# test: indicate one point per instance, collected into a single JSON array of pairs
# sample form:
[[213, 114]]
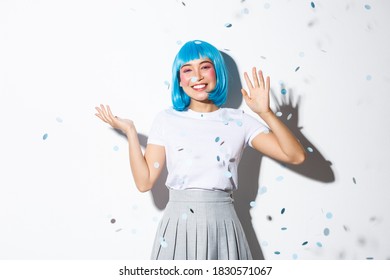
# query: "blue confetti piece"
[[310, 149], [295, 256], [305, 243], [312, 5], [326, 231], [194, 79], [45, 136], [239, 123], [179, 42], [116, 148], [264, 243], [228, 174], [329, 215], [218, 158], [184, 216], [368, 7], [319, 244], [283, 228], [283, 91], [279, 178], [245, 11], [263, 190], [277, 253], [282, 211], [217, 139], [163, 243], [58, 119], [252, 204], [368, 77], [279, 114], [301, 54], [228, 25]]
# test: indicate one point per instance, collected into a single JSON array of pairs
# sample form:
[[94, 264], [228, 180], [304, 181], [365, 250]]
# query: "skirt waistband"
[[200, 196]]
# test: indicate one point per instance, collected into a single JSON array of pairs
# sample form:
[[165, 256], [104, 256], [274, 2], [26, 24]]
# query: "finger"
[[245, 94], [100, 117], [103, 113], [268, 85], [110, 113], [255, 78], [248, 81], [261, 79]]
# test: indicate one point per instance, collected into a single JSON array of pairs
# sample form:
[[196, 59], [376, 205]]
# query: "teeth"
[[199, 86]]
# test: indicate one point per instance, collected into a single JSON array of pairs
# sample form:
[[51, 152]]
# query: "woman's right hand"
[[105, 114]]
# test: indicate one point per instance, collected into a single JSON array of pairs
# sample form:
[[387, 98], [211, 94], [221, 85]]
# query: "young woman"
[[202, 144]]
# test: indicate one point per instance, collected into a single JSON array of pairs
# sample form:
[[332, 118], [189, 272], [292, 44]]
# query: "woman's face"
[[197, 78]]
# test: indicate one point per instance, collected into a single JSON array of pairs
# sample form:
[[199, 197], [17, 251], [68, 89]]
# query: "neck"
[[202, 107]]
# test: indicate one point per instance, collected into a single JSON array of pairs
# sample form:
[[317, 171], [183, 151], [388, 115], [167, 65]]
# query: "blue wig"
[[195, 50]]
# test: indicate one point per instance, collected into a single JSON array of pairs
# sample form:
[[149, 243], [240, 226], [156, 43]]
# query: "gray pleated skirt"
[[200, 225]]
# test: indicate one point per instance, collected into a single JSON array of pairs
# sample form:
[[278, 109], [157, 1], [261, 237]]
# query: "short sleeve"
[[156, 133], [253, 127]]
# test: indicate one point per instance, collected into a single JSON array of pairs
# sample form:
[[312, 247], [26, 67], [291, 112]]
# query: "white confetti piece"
[[156, 165]]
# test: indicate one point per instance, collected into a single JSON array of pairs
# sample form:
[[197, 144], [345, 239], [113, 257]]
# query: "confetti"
[[179, 42], [345, 228], [222, 143], [184, 216], [217, 139], [232, 160], [198, 42], [269, 218], [279, 114], [184, 4], [296, 69], [113, 221], [181, 149], [369, 258], [310, 149], [319, 244], [167, 84], [192, 211], [289, 116], [326, 231], [295, 256], [163, 243], [45, 136], [283, 91], [279, 178], [245, 11], [58, 119], [263, 190], [282, 211], [305, 243], [239, 123], [264, 243], [218, 158], [228, 174], [283, 228], [228, 25], [354, 180], [277, 253], [115, 148], [329, 215], [312, 5], [156, 165], [194, 79], [368, 7], [118, 230], [301, 54], [368, 77], [252, 204]]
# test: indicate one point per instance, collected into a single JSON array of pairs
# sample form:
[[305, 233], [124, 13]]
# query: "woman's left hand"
[[258, 98]]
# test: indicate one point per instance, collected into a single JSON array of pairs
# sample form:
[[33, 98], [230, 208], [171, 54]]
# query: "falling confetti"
[[295, 256], [184, 4], [163, 243], [301, 54], [354, 180], [198, 42], [228, 174], [179, 42], [282, 211], [192, 211], [156, 165], [252, 204], [218, 158], [264, 243], [222, 143], [217, 139], [277, 253], [279, 178], [283, 228], [368, 7], [283, 91], [116, 148], [118, 230], [345, 228], [289, 116], [167, 84], [279, 114], [184, 216], [296, 69], [368, 77], [319, 244], [113, 221], [239, 123], [305, 243], [45, 136], [228, 25], [329, 215], [312, 5], [269, 218], [369, 258], [326, 231], [263, 190], [194, 79], [58, 119], [310, 149], [245, 11]]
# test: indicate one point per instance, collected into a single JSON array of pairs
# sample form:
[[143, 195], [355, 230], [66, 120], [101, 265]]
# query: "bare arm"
[[280, 143], [145, 167]]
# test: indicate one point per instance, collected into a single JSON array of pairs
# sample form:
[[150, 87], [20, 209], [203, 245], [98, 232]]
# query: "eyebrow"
[[188, 64]]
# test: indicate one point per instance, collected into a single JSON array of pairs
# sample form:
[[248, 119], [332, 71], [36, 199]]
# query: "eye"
[[186, 70]]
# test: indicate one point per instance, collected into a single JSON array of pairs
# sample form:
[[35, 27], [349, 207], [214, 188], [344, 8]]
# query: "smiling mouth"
[[199, 87]]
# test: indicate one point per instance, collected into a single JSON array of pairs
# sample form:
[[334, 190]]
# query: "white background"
[[71, 195]]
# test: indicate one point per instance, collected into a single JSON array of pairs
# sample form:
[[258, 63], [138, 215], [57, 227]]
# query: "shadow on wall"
[[315, 167]]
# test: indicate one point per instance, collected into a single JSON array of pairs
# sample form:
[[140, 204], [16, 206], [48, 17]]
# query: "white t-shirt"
[[203, 149]]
